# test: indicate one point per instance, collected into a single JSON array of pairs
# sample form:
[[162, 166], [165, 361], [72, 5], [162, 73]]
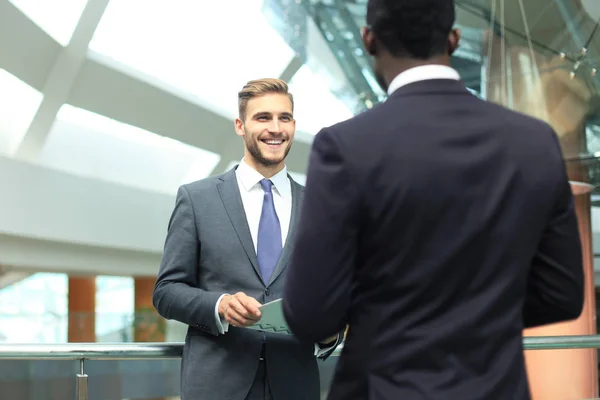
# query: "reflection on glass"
[[95, 146], [58, 18], [19, 102]]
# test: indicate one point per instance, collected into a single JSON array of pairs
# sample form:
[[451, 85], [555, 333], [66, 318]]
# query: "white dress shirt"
[[422, 73], [252, 193]]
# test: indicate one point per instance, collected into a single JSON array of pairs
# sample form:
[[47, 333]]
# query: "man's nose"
[[275, 126]]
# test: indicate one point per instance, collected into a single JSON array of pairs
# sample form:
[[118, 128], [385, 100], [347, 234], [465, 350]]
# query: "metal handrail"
[[139, 351], [561, 342], [91, 351], [146, 351]]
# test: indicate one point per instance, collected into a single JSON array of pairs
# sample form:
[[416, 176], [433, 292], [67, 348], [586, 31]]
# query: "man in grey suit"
[[226, 252]]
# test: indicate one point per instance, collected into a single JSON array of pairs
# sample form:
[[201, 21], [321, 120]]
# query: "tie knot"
[[266, 185]]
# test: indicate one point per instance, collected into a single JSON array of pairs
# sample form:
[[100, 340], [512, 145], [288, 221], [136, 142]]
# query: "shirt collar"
[[421, 73], [249, 177]]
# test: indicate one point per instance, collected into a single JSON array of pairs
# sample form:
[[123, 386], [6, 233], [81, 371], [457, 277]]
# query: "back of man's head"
[[416, 29]]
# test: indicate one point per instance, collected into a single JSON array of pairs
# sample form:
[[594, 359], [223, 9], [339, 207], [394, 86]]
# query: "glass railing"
[[142, 370]]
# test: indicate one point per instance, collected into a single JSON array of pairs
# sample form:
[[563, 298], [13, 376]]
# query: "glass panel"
[[19, 102], [32, 310], [207, 48], [58, 18], [92, 145], [108, 380], [114, 307]]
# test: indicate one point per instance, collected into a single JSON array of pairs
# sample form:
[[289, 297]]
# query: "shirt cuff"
[[222, 324], [321, 350]]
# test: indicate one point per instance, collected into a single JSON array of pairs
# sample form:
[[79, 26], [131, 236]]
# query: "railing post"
[[82, 383]]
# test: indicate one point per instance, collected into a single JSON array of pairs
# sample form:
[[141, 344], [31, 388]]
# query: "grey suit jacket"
[[209, 252]]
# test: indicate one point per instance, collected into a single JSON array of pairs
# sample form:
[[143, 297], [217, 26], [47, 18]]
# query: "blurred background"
[[108, 106]]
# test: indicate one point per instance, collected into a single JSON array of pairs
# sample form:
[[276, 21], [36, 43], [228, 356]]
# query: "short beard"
[[255, 152]]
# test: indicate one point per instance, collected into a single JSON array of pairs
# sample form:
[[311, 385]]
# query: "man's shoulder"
[[522, 128], [361, 120], [206, 184], [365, 120], [518, 117]]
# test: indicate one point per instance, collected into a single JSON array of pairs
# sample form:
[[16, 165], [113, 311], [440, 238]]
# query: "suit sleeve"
[[555, 290], [176, 295], [317, 293]]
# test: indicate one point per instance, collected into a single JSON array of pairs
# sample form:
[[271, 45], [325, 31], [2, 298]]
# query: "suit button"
[[267, 291]]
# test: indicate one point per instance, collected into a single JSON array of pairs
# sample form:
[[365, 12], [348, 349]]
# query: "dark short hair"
[[412, 28]]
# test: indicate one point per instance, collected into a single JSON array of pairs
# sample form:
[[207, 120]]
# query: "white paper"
[[272, 319]]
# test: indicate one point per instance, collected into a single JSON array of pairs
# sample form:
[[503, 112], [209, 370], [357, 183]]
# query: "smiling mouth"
[[273, 142]]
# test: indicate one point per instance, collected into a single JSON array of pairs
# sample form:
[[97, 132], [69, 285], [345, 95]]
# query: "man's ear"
[[239, 127], [369, 41], [453, 41]]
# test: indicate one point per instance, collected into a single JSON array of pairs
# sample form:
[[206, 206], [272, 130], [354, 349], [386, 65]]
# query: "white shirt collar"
[[424, 72], [249, 177]]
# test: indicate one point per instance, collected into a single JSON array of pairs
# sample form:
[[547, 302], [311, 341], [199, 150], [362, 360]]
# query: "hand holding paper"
[[272, 319], [239, 309]]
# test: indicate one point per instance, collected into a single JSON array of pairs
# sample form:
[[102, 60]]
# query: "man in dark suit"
[[436, 225], [226, 252]]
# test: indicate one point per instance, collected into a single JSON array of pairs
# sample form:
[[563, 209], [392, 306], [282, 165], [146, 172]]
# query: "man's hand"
[[240, 309], [329, 341]]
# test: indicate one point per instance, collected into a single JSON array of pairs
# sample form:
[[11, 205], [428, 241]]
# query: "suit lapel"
[[230, 195], [286, 252]]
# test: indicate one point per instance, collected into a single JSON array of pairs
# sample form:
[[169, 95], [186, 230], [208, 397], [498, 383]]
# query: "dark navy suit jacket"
[[437, 226]]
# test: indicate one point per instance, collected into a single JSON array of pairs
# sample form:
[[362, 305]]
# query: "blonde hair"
[[260, 87]]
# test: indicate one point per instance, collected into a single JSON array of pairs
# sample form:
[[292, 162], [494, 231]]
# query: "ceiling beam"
[[60, 81], [119, 92], [294, 66], [27, 51]]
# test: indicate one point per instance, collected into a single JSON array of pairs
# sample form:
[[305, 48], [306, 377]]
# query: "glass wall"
[[34, 310]]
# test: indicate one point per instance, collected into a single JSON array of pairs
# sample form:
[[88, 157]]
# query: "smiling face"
[[268, 129]]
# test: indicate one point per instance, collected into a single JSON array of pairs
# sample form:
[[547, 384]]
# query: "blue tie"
[[268, 247]]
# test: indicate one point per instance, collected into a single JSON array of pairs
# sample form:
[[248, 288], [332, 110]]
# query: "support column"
[[82, 309], [148, 326], [543, 88], [569, 374]]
